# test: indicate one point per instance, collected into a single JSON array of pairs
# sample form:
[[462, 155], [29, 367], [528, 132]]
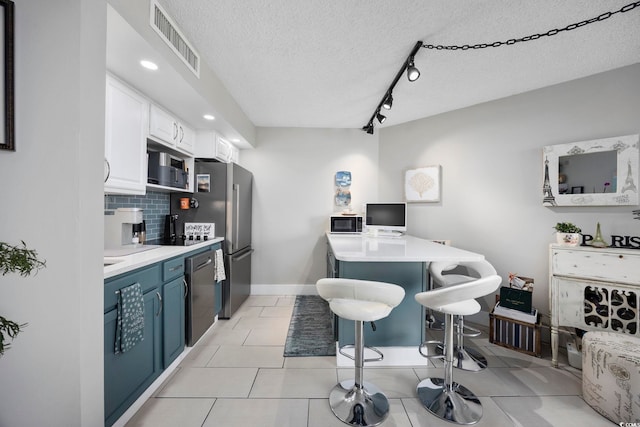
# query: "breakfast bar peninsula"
[[400, 260]]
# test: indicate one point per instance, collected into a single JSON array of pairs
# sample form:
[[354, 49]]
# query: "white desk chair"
[[355, 402]]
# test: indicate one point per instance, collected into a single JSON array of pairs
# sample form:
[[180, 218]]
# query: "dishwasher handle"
[[204, 264]]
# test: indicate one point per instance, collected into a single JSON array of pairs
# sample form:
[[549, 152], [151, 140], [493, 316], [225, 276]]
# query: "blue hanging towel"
[[130, 320]]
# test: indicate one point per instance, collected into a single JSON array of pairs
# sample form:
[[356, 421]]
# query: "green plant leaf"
[[8, 329], [24, 261], [567, 227], [21, 260]]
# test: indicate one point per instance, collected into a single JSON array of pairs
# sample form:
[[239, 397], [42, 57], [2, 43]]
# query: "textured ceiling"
[[327, 63]]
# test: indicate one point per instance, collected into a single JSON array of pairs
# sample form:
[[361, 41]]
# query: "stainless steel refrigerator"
[[223, 195]]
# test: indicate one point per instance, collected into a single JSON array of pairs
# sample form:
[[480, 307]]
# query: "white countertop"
[[124, 264], [365, 248]]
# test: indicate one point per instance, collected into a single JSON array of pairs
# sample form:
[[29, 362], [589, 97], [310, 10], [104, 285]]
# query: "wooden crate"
[[514, 334]]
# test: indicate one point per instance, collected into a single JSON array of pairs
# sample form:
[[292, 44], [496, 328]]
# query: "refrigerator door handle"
[[236, 225], [244, 255]]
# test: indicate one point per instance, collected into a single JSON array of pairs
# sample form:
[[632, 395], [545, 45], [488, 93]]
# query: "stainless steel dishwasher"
[[201, 297]]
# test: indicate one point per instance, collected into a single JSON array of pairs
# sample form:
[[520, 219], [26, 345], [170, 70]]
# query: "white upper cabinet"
[[235, 154], [125, 139], [162, 125], [169, 131], [224, 150], [210, 145], [186, 138]]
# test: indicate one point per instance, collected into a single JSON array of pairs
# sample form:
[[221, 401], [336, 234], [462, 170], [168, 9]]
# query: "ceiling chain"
[[531, 37]]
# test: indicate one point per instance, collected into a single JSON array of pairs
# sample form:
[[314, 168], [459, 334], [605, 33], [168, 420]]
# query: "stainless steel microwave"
[[346, 223]]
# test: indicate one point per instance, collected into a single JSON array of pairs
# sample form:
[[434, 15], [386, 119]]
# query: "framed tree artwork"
[[423, 184], [7, 135]]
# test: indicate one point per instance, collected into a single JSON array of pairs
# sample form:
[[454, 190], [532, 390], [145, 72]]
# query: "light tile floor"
[[236, 376]]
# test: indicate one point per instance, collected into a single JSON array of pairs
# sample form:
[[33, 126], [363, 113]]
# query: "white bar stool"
[[443, 397], [464, 358], [356, 402], [431, 321]]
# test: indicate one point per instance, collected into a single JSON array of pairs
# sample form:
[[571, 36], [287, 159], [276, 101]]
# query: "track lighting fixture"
[[413, 73], [387, 99]]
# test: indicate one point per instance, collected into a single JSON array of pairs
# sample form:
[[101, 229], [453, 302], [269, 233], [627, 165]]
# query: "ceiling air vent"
[[172, 36]]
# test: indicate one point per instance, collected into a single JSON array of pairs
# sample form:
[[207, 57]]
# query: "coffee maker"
[[119, 226]]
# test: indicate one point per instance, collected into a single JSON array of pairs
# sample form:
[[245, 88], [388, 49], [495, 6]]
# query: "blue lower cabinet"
[[404, 325], [127, 375], [173, 319]]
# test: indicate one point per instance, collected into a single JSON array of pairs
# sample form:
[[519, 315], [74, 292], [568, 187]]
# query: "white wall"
[[294, 172], [51, 195], [491, 157]]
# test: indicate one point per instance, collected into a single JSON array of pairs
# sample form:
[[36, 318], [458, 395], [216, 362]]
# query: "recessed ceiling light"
[[149, 65], [209, 117], [235, 140]]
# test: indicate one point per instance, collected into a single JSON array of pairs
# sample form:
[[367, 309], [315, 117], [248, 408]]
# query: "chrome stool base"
[[458, 404], [468, 359], [365, 406]]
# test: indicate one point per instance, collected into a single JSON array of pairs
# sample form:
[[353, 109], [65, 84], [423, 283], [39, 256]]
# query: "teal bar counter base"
[[399, 260]]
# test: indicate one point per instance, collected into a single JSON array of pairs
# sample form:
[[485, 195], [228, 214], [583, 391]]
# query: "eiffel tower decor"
[[629, 185], [548, 200]]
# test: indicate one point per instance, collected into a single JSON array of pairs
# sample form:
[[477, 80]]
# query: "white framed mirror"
[[599, 172]]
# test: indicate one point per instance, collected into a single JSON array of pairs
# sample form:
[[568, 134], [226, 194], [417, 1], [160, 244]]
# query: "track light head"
[[388, 101], [412, 72], [380, 117], [368, 128]]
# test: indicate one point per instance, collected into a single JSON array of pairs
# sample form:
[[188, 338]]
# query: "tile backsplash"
[[154, 204]]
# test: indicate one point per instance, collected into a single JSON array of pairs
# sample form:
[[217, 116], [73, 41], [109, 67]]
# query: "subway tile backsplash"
[[154, 204]]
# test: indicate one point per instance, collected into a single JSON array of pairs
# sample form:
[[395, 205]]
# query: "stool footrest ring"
[[468, 331], [347, 355], [434, 349]]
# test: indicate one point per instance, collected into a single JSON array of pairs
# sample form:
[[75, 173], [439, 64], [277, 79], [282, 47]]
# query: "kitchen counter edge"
[[124, 264], [407, 248]]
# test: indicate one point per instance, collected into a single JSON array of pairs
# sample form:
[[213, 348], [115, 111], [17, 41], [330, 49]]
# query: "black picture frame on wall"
[[7, 133]]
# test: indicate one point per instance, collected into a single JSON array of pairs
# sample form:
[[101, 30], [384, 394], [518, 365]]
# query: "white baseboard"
[[283, 289]]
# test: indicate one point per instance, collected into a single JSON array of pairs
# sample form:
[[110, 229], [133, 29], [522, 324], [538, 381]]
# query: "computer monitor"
[[386, 216]]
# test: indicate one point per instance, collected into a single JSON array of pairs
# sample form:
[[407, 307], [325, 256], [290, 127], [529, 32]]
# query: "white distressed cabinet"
[[593, 289], [126, 121]]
